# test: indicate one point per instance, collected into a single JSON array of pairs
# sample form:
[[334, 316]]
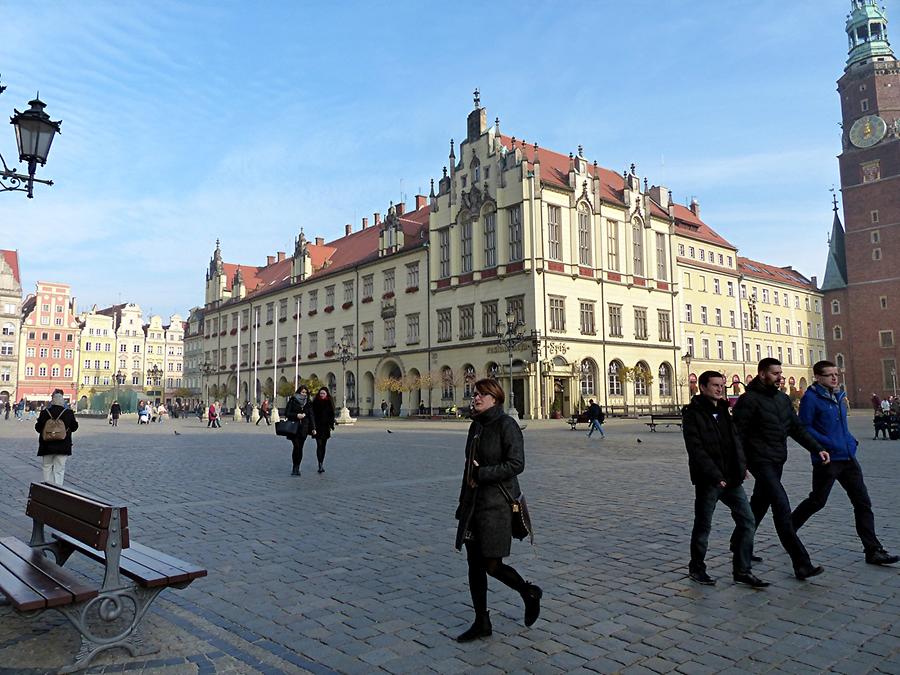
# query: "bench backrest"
[[83, 517]]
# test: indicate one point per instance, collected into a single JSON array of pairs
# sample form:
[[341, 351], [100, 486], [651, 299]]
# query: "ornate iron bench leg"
[[109, 606]]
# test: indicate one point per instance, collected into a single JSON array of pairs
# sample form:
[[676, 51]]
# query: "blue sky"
[[184, 122]]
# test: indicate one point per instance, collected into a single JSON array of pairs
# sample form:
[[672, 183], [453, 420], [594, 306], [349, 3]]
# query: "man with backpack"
[[55, 426], [595, 418]]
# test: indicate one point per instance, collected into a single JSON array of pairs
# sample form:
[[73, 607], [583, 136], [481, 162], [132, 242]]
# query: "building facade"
[[10, 324], [49, 342], [591, 269], [97, 358], [862, 288], [193, 356]]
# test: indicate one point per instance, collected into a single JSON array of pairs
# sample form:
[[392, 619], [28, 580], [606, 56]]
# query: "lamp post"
[[207, 369], [344, 352], [153, 375], [894, 378], [510, 335], [687, 364], [34, 135], [119, 379]]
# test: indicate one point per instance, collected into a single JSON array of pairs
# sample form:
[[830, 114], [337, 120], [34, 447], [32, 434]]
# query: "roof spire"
[[867, 33], [477, 96], [836, 266]]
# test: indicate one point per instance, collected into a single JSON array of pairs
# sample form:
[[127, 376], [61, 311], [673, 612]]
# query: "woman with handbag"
[[495, 455], [299, 409], [323, 415]]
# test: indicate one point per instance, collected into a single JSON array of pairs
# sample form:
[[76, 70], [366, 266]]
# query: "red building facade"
[[862, 282], [49, 350]]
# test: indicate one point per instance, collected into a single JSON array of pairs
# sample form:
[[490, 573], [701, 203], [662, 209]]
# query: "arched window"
[[838, 333], [588, 377], [613, 382], [350, 384], [839, 361], [468, 381], [835, 306], [641, 378], [665, 380], [447, 392], [637, 247], [585, 255], [332, 383]]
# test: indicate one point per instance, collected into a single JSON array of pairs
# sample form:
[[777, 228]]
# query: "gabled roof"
[[781, 275], [836, 267], [12, 259]]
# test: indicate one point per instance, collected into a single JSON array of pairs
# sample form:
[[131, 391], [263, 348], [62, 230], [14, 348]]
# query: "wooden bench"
[[575, 420], [32, 582], [668, 420]]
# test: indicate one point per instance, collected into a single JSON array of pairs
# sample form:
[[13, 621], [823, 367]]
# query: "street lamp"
[[344, 352], [119, 379], [34, 135], [207, 369], [153, 374], [894, 378], [687, 365], [510, 335]]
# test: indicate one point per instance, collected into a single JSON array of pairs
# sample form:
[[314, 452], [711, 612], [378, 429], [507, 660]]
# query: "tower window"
[[835, 307], [876, 254], [875, 216], [886, 338], [883, 301], [864, 104], [875, 236]]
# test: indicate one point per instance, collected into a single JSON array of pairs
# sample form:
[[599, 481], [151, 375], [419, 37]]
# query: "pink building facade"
[[49, 344]]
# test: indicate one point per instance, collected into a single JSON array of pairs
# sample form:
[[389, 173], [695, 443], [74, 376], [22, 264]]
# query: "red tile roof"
[[347, 251], [782, 275], [12, 259]]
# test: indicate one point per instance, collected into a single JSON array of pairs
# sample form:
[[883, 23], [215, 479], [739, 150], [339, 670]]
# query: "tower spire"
[[867, 33], [836, 265]]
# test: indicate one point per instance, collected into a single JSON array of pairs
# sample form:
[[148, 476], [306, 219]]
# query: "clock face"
[[867, 131]]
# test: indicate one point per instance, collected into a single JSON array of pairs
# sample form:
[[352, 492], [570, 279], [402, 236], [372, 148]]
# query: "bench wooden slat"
[[76, 587], [193, 571], [21, 595], [143, 575], [91, 535], [77, 506]]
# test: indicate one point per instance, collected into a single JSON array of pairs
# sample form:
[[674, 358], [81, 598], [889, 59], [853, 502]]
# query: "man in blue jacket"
[[823, 412]]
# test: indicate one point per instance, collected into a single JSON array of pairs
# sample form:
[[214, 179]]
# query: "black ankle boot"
[[532, 596], [321, 468], [481, 628], [296, 470]]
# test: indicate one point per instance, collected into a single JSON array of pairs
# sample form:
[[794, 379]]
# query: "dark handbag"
[[287, 428], [521, 519]]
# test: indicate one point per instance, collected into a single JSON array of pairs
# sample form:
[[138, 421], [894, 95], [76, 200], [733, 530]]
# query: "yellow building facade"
[[97, 354], [592, 269]]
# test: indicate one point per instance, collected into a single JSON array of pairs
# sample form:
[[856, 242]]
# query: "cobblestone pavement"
[[354, 570]]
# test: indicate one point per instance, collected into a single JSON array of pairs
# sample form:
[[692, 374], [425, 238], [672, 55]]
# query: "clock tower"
[[862, 278]]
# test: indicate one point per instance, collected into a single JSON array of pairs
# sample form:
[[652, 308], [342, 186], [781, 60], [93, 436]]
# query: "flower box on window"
[[234, 331], [312, 312], [412, 289], [282, 359], [243, 364], [269, 322], [282, 319], [233, 366], [224, 332], [311, 355], [295, 316], [245, 328], [366, 299], [347, 305], [389, 294], [268, 361], [330, 352], [329, 309]]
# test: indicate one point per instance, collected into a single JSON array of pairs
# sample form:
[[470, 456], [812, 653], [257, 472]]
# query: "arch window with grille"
[[614, 384], [350, 385], [588, 377], [447, 392], [640, 379], [665, 379]]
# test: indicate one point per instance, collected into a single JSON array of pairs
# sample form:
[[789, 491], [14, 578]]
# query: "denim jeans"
[[767, 492], [705, 501], [849, 474], [595, 426]]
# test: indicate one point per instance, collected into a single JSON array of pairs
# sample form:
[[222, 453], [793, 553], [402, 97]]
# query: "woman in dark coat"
[[54, 454], [495, 455], [115, 411], [299, 409], [323, 415]]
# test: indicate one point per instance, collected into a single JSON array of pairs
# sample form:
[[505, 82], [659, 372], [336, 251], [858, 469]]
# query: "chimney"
[[365, 223], [377, 218], [348, 228], [695, 207], [280, 256], [815, 282], [270, 260], [400, 208], [421, 201], [320, 241]]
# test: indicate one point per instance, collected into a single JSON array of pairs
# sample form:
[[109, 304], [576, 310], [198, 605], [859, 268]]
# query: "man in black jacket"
[[765, 417], [718, 469]]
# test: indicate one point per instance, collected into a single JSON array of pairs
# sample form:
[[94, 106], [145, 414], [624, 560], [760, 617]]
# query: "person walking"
[[765, 417], [213, 414], [7, 407], [595, 418], [323, 415], [718, 469], [299, 409], [55, 425], [823, 412], [384, 408], [264, 412], [876, 402], [495, 456], [115, 411]]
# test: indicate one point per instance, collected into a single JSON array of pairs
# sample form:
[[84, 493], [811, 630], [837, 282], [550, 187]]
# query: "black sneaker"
[[702, 578], [749, 579], [803, 573], [481, 628], [881, 557]]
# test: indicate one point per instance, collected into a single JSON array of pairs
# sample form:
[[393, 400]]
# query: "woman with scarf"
[[495, 455], [323, 416], [299, 409]]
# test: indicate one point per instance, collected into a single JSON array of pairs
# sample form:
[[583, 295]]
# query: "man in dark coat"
[[115, 411], [718, 469], [765, 417], [54, 453], [822, 410], [595, 419]]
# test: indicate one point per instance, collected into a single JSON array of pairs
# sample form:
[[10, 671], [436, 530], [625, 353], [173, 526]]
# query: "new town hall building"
[[620, 295]]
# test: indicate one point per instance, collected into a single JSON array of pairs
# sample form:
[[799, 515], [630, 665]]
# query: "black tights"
[[480, 568]]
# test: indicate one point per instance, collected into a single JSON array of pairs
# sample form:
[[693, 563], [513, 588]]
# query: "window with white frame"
[[389, 333], [466, 322], [614, 383], [637, 248], [368, 285], [348, 293], [412, 329], [445, 325], [516, 251], [640, 323], [557, 314], [662, 272], [665, 380], [585, 255], [665, 325], [554, 229], [368, 338], [489, 318], [490, 240], [587, 318], [612, 245], [388, 280], [412, 275], [465, 241], [615, 320], [444, 253]]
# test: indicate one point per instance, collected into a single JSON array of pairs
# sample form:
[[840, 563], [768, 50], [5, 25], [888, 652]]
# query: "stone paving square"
[[354, 571]]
